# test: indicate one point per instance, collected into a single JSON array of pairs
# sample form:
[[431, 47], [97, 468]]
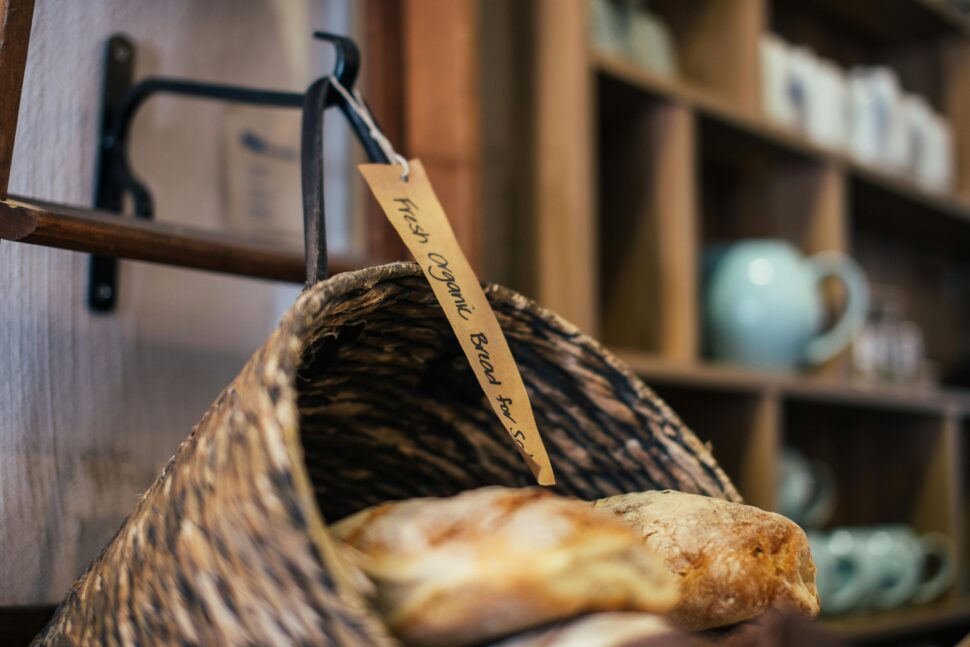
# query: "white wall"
[[91, 406]]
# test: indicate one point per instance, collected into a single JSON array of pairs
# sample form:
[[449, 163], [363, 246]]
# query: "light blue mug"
[[844, 573], [763, 307], [900, 558], [880, 567]]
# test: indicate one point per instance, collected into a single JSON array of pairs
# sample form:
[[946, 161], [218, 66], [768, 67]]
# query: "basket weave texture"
[[361, 395]]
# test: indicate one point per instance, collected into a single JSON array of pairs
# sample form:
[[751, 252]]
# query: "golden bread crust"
[[493, 561], [734, 561]]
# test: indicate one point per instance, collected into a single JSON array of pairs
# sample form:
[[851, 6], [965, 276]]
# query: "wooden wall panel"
[[565, 229], [649, 231], [16, 17], [442, 120], [92, 406], [382, 45]]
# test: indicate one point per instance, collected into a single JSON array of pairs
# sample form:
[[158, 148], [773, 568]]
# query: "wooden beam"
[[81, 230], [567, 264], [16, 17], [442, 113], [383, 71]]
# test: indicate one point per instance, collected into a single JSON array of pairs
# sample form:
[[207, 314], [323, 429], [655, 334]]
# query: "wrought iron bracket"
[[121, 100]]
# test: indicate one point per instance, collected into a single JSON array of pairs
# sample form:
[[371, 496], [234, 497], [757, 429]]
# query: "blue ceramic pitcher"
[[763, 307]]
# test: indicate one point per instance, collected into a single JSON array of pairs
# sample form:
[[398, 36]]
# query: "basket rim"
[[300, 316]]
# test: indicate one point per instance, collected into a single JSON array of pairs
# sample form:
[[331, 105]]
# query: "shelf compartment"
[[723, 377], [647, 223], [716, 43], [82, 230], [748, 193], [890, 466], [740, 429], [758, 133], [925, 261]]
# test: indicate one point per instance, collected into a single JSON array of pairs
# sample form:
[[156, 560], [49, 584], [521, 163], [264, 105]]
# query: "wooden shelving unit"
[[681, 162]]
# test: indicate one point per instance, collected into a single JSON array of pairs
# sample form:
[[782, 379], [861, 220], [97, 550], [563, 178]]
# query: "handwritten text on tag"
[[416, 214]]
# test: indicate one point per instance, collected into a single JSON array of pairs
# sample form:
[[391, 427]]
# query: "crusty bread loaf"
[[734, 561], [614, 629], [489, 562]]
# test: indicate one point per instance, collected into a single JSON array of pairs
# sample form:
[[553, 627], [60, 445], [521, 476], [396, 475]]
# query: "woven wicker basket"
[[360, 396]]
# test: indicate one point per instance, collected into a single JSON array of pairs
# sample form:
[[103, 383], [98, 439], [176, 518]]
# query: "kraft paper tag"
[[416, 214]]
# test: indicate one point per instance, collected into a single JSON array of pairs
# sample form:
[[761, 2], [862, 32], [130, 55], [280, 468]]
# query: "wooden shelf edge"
[[83, 230], [720, 112], [796, 387], [900, 621]]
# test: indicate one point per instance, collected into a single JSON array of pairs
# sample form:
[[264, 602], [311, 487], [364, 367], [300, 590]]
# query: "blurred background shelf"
[[746, 130], [594, 187], [679, 162], [893, 625], [726, 377]]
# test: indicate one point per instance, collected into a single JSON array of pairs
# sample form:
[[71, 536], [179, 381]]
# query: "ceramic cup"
[[844, 574], [802, 66], [864, 129], [648, 42], [909, 567], [806, 493], [937, 170], [918, 117], [827, 108], [775, 97], [880, 567], [606, 24], [879, 133]]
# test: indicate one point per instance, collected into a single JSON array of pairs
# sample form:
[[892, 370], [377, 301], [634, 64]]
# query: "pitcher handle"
[[828, 344]]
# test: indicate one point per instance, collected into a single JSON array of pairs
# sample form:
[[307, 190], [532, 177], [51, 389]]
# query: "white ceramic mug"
[[918, 117], [606, 24], [879, 134], [878, 117], [775, 97], [827, 110], [801, 85], [936, 173], [648, 42], [864, 132]]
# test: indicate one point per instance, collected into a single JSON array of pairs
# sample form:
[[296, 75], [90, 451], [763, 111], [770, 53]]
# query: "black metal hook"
[[345, 70], [122, 101], [346, 65]]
